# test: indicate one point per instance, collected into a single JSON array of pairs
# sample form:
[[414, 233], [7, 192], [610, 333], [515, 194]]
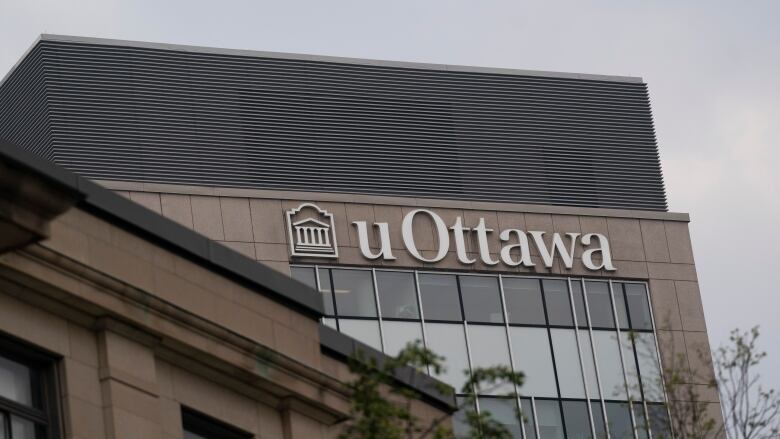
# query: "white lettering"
[[603, 248], [557, 246], [407, 230], [385, 249], [458, 232], [525, 250], [484, 250]]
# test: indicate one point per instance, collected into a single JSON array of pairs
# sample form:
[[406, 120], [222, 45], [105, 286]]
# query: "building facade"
[[499, 217]]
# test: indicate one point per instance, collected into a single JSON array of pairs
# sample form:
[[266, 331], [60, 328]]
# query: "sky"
[[712, 68]]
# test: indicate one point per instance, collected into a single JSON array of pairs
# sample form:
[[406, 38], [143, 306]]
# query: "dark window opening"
[[199, 426]]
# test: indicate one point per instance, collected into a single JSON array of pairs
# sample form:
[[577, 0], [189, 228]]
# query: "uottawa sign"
[[311, 233]]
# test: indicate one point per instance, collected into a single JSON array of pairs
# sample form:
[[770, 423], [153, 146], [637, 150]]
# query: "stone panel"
[[207, 217], [654, 241], [625, 237], [689, 300], [149, 200], [236, 219], [178, 208], [267, 221], [679, 239]]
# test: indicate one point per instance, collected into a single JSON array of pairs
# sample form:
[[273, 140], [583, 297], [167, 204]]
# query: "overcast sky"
[[713, 70]]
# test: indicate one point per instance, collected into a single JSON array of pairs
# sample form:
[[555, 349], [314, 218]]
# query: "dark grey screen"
[[154, 113]]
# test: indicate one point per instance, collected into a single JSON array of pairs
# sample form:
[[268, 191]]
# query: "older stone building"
[[510, 218]]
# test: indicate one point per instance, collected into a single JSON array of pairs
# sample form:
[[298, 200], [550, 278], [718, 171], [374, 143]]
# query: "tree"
[[748, 410], [382, 409]]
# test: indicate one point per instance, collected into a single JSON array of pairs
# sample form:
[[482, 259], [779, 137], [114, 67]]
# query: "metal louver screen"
[[118, 112]]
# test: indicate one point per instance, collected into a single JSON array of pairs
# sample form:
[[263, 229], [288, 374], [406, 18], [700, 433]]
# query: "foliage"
[[382, 409], [748, 410]]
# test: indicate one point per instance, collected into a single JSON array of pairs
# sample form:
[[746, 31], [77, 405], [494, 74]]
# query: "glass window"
[[524, 301], [439, 296], [503, 411], [639, 418], [354, 292], [481, 299], [531, 355], [619, 420], [399, 334], [199, 426], [556, 297], [579, 303], [589, 363], [598, 420], [632, 375], [23, 429], [620, 305], [638, 308], [548, 414], [659, 421], [567, 363], [326, 290], [304, 275], [460, 427], [449, 341], [610, 368], [366, 331], [15, 382], [599, 305], [329, 322], [527, 412], [575, 416], [397, 295], [649, 370], [489, 348]]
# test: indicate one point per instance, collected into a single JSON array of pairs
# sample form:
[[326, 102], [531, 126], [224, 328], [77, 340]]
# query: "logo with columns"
[[311, 232]]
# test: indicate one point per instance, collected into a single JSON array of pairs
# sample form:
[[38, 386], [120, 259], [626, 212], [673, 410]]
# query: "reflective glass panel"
[[620, 304], [659, 421], [527, 412], [589, 363], [398, 334], [575, 416], [598, 420], [524, 301], [397, 294], [531, 351], [502, 410], [599, 305], [304, 275], [610, 368], [449, 341], [326, 290], [489, 348], [579, 303], [567, 363], [638, 308], [354, 292], [439, 296], [632, 375], [22, 428], [460, 427], [329, 322], [556, 297], [15, 382], [548, 414], [481, 299], [619, 420], [649, 370], [366, 331], [639, 418]]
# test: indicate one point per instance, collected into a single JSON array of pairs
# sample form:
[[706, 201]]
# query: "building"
[[500, 216]]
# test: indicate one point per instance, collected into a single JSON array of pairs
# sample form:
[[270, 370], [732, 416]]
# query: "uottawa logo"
[[311, 231], [312, 234]]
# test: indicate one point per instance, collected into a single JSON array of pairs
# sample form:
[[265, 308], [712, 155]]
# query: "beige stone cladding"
[[646, 245], [142, 332]]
